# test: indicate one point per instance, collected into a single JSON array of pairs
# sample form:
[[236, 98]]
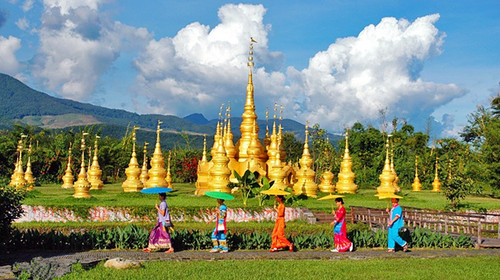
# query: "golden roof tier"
[[387, 177], [95, 172], [346, 177], [82, 185], [416, 186], [157, 173], [68, 177], [133, 182]]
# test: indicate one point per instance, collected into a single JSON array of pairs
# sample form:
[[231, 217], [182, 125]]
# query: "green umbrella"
[[219, 195]]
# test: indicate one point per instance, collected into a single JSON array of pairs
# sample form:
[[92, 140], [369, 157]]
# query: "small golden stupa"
[[17, 179], [95, 171], [387, 177], [326, 185], [68, 177], [436, 185], [82, 185], [393, 170], [416, 186], [133, 182], [169, 175], [219, 173], [144, 169], [345, 182], [203, 168], [276, 170], [157, 173], [28, 175], [305, 175]]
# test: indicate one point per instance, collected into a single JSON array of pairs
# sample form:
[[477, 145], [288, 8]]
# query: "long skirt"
[[159, 238], [279, 239], [342, 244]]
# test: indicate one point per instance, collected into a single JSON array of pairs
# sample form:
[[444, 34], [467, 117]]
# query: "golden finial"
[[250, 54]]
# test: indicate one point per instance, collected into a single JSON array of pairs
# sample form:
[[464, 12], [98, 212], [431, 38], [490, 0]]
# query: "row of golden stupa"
[[249, 153]]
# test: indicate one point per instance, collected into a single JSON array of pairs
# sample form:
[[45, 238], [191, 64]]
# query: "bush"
[[10, 209]]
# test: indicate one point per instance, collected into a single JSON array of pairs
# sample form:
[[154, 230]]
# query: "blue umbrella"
[[156, 190]]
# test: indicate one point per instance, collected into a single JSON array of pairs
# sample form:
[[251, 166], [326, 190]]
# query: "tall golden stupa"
[[157, 172], [345, 183], [393, 170], [387, 177], [95, 172], [17, 179], [249, 153], [416, 186], [133, 182], [436, 184], [144, 168], [305, 175], [82, 185], [28, 175], [68, 177]]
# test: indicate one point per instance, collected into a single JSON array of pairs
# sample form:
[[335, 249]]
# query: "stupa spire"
[[144, 169], [28, 175], [133, 182], [416, 186], [346, 177], [68, 177], [95, 171], [387, 177], [436, 184], [82, 185], [305, 176], [157, 172]]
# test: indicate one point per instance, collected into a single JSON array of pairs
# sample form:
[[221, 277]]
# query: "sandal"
[[390, 251], [169, 251], [405, 247], [273, 250], [147, 250]]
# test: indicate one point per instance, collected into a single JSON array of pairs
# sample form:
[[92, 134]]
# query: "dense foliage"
[[10, 209]]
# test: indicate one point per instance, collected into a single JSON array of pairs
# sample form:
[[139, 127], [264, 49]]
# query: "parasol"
[[219, 195], [388, 195], [156, 189], [330, 197], [275, 191]]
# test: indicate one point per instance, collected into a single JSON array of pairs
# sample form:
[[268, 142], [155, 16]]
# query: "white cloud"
[[78, 45], [202, 67], [352, 80], [356, 77], [22, 23], [8, 47], [27, 5]]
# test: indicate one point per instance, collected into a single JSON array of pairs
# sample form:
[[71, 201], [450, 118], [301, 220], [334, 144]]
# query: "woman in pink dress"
[[342, 244]]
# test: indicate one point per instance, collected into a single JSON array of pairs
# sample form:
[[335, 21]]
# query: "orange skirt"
[[279, 239]]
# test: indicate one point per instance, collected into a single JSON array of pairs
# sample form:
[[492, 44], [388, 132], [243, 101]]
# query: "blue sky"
[[328, 62]]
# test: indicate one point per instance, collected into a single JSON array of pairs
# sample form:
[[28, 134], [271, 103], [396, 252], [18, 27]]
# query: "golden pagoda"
[[249, 153], [387, 177], [326, 184], [157, 172], [305, 175], [95, 171], [17, 179], [345, 182], [276, 170], [168, 178], [436, 185], [68, 177], [203, 169], [393, 170], [144, 169], [133, 182], [82, 185], [28, 175], [417, 186], [219, 173]]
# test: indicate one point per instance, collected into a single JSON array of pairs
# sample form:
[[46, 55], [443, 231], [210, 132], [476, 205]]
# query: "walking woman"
[[342, 244], [395, 223], [220, 231], [159, 237], [279, 239]]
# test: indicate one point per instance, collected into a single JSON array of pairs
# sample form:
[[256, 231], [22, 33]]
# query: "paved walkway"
[[65, 259]]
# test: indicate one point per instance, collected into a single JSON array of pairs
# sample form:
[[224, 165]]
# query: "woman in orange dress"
[[279, 239]]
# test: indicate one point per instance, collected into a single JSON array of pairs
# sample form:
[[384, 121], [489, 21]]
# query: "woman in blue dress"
[[395, 223], [220, 231]]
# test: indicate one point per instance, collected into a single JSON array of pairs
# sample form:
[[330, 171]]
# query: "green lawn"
[[113, 196], [402, 268]]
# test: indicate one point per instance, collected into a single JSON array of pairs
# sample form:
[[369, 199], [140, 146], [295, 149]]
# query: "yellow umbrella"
[[330, 197], [272, 191], [388, 195]]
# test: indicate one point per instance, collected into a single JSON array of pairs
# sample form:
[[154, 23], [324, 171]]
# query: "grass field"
[[112, 195], [403, 268]]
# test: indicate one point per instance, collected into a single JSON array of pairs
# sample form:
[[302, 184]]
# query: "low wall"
[[109, 214]]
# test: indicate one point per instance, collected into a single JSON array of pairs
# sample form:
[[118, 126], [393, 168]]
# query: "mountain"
[[23, 104]]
